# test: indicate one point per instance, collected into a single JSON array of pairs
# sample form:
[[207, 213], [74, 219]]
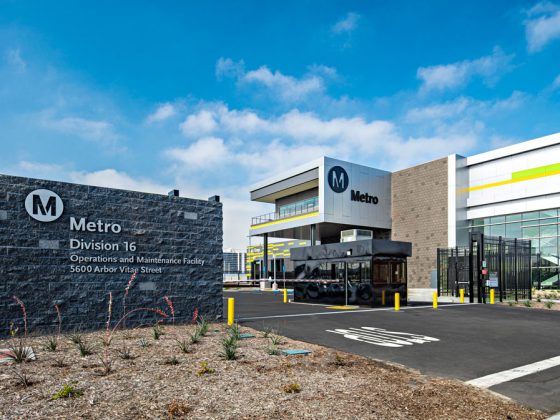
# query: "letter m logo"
[[44, 205], [337, 179]]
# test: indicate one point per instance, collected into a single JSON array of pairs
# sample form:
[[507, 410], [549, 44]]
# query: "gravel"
[[259, 385]]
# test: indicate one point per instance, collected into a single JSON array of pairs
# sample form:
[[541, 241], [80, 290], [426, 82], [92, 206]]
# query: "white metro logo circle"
[[338, 179], [44, 205]]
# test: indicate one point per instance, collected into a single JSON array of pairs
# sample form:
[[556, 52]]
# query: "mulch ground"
[[331, 385]]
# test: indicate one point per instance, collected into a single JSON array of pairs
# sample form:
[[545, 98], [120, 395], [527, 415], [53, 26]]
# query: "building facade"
[[512, 192]]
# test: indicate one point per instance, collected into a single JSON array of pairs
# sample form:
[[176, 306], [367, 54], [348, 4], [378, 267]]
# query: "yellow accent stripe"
[[512, 181], [289, 219]]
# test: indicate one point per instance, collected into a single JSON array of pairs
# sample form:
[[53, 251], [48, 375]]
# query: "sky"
[[211, 97]]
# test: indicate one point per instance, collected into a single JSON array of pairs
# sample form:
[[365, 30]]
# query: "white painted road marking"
[[382, 337], [511, 374], [405, 308]]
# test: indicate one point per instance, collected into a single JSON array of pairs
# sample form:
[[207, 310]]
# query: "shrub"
[[205, 369], [549, 304], [183, 345], [51, 344], [528, 303], [510, 303], [276, 340], [172, 361], [59, 362], [126, 353], [18, 352], [339, 360], [229, 348], [76, 338], [144, 343], [293, 388], [272, 350], [85, 348], [234, 331], [22, 378], [267, 331], [195, 336], [203, 326], [157, 331], [67, 391]]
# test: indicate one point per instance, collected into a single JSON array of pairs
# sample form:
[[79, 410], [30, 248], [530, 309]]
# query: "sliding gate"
[[487, 263]]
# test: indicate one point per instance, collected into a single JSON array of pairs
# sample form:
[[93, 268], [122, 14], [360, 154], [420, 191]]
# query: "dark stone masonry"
[[92, 248]]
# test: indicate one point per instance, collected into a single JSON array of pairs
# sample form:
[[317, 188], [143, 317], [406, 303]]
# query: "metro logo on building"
[[338, 179], [44, 205]]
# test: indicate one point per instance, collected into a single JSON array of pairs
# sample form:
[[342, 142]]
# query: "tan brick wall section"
[[419, 212]]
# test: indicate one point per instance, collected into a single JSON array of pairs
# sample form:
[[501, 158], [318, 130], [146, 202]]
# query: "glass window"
[[477, 222], [513, 230], [530, 232], [513, 217], [531, 216], [497, 219], [498, 230], [549, 213], [549, 230], [487, 230], [486, 220]]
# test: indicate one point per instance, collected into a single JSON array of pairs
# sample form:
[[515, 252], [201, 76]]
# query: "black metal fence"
[[497, 263]]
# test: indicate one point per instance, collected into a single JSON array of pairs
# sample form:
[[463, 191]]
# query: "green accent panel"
[[541, 170]]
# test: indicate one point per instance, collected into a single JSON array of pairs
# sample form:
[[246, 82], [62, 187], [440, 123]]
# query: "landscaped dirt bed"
[[256, 385]]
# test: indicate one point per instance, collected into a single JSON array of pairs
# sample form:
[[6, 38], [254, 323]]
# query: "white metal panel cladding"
[[340, 208]]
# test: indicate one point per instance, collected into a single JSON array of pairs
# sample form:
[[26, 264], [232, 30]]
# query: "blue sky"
[[211, 96]]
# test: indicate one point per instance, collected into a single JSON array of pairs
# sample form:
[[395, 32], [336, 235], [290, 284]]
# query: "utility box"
[[355, 235]]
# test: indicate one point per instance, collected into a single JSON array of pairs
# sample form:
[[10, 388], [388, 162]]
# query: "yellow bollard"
[[434, 298], [397, 301], [231, 311], [491, 296], [462, 295], [383, 297], [285, 295]]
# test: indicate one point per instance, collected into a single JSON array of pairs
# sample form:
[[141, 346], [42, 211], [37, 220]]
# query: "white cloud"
[[226, 67], [347, 24], [15, 60], [205, 153], [280, 87], [542, 26], [198, 124], [162, 113], [81, 127], [556, 82], [288, 88], [112, 178], [451, 76]]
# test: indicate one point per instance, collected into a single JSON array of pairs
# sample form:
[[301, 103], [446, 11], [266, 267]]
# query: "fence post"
[[500, 268], [397, 298]]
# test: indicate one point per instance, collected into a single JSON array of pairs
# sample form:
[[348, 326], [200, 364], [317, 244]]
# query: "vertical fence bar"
[[515, 266]]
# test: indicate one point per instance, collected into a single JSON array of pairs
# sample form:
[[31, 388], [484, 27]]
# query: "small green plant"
[[293, 388], [59, 362], [275, 339], [76, 338], [266, 332], [229, 347], [528, 303], [538, 299], [22, 378], [510, 303], [549, 304], [183, 345], [195, 336], [177, 409], [85, 348], [205, 369], [339, 360], [173, 361], [272, 350], [51, 344], [144, 343], [18, 352], [234, 331], [126, 353], [157, 331], [203, 326], [67, 391]]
